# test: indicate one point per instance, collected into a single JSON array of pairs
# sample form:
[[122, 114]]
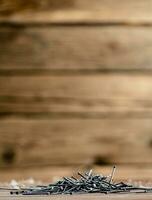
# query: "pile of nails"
[[86, 183]]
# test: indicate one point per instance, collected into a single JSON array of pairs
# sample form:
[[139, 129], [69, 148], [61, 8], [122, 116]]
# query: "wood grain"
[[75, 49], [75, 84], [77, 11], [88, 107], [67, 142], [116, 86], [47, 174], [6, 196], [96, 96]]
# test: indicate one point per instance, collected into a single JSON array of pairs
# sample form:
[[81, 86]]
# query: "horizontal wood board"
[[75, 49], [101, 95], [47, 174], [75, 141], [77, 11]]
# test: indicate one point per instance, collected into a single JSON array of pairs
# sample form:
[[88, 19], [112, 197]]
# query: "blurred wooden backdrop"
[[75, 82]]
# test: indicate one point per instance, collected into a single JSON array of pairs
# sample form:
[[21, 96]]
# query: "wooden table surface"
[[6, 196], [137, 175]]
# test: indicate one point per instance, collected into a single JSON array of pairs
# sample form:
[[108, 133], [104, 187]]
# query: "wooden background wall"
[[76, 83]]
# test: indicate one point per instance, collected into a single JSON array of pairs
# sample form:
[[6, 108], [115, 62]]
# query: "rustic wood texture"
[[112, 95], [57, 99], [75, 83], [75, 141], [4, 195], [77, 11], [47, 174], [75, 49]]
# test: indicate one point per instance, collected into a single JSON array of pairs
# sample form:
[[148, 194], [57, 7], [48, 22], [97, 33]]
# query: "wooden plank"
[[47, 174], [143, 196], [75, 141], [75, 107], [75, 49], [94, 86], [111, 95], [77, 11]]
